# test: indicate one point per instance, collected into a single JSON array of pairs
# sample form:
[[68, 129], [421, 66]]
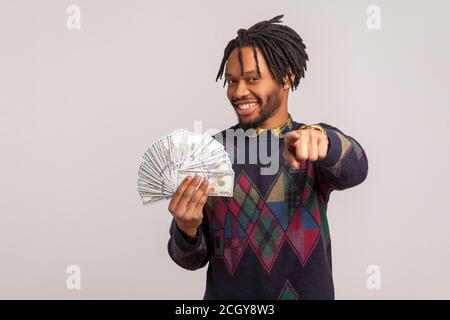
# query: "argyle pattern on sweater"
[[271, 240]]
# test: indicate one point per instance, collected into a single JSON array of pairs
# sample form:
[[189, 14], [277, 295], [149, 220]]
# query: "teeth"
[[246, 106]]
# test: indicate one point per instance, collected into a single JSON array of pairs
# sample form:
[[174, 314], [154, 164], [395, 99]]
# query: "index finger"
[[290, 139], [180, 190]]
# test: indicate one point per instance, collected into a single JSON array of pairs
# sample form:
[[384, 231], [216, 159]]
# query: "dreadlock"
[[282, 48]]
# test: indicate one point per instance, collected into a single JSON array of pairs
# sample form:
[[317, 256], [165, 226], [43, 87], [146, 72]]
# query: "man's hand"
[[304, 144], [187, 204]]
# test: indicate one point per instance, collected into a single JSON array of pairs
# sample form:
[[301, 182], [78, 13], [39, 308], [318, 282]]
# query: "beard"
[[272, 104]]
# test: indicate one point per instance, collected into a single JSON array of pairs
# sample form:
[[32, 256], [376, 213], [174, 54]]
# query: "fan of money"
[[172, 158]]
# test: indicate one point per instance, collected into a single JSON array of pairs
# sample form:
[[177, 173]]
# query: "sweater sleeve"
[[189, 254], [345, 164]]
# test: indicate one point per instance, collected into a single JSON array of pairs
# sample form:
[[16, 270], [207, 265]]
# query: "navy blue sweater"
[[271, 239]]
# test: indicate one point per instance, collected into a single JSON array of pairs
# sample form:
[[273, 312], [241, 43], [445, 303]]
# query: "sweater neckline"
[[278, 132]]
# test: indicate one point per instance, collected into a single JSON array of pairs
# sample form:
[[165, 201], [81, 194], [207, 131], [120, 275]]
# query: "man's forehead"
[[249, 64], [246, 73]]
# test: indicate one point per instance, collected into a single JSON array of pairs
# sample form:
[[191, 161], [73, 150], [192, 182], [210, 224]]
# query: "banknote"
[[220, 183], [176, 155]]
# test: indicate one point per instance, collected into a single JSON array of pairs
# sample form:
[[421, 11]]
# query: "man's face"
[[254, 99]]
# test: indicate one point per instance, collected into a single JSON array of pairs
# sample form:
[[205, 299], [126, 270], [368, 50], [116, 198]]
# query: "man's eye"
[[250, 80]]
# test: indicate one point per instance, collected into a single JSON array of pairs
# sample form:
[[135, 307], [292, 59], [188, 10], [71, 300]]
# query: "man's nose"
[[241, 90]]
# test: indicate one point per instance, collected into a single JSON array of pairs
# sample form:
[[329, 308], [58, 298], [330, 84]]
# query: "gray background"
[[79, 108]]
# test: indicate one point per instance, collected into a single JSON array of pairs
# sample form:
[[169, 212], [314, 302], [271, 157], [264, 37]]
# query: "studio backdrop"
[[87, 86]]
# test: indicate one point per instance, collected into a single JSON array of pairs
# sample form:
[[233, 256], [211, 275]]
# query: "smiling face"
[[258, 101]]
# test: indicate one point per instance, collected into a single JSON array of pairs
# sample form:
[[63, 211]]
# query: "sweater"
[[271, 240]]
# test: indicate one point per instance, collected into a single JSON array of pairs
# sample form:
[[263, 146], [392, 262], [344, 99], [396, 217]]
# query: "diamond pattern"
[[266, 238], [235, 242], [264, 223], [303, 233], [283, 198], [315, 203], [288, 292], [246, 203]]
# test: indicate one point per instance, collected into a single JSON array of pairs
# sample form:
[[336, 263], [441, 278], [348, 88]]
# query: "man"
[[271, 239]]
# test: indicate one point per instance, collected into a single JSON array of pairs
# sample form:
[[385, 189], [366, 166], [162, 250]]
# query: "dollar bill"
[[173, 157], [221, 183]]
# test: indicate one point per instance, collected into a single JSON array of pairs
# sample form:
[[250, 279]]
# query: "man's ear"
[[285, 78]]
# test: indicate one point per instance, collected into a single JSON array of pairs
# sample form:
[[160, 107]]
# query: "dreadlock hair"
[[282, 48]]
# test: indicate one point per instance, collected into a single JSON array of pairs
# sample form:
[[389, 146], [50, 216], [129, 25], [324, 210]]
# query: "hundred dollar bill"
[[221, 183]]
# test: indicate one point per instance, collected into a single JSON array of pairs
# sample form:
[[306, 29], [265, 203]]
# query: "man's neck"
[[276, 120]]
